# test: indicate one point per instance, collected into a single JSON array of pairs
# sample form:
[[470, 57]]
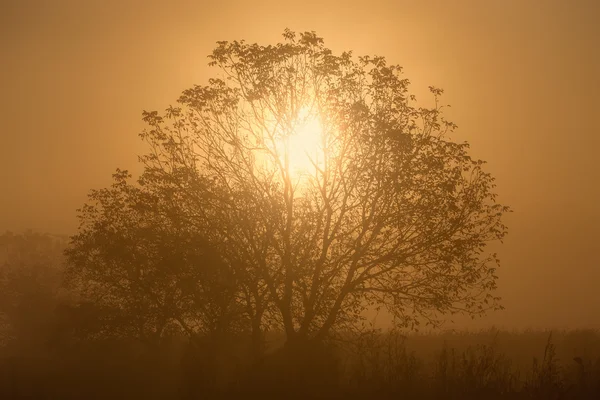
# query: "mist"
[[521, 79]]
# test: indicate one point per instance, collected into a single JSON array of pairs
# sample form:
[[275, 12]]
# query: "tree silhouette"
[[382, 211], [144, 271], [31, 272]]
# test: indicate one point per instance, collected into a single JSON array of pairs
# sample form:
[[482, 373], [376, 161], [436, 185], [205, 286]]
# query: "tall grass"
[[376, 365], [479, 366]]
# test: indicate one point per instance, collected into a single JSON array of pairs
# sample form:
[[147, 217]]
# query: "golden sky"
[[522, 77]]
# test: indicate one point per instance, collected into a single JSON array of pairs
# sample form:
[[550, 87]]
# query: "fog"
[[521, 78]]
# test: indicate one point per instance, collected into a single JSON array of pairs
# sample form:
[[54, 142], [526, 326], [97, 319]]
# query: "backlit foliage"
[[387, 211]]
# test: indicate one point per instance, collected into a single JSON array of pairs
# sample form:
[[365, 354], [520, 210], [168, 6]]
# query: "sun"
[[304, 145], [297, 150]]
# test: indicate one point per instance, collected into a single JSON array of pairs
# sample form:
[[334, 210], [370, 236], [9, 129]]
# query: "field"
[[461, 365]]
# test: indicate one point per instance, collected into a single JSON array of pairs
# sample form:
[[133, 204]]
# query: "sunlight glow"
[[304, 146]]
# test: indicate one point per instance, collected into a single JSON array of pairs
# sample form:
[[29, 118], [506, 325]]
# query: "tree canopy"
[[320, 187]]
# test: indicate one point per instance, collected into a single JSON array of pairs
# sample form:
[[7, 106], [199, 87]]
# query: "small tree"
[[326, 189], [31, 273], [145, 271]]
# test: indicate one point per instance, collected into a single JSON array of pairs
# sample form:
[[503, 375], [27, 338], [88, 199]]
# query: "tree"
[[31, 272], [142, 271], [326, 190]]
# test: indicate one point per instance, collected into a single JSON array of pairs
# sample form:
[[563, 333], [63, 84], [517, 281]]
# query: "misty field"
[[488, 364], [287, 197]]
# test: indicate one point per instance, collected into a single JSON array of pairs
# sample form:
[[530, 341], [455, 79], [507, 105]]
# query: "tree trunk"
[[257, 344], [310, 365]]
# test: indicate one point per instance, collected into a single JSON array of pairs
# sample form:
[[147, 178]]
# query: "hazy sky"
[[523, 79]]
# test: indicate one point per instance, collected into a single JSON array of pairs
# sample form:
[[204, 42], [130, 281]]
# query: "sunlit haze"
[[521, 78], [305, 144]]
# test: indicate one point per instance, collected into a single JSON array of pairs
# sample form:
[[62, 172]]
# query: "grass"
[[466, 365]]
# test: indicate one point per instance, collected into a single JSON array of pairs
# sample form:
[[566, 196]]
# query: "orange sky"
[[521, 76]]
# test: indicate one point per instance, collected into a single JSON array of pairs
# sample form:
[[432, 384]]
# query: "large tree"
[[326, 189]]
